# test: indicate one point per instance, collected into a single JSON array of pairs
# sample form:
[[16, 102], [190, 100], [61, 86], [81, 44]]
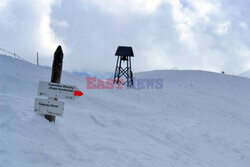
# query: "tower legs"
[[123, 75]]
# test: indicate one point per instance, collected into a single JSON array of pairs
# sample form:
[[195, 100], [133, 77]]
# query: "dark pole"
[[118, 82], [116, 69], [127, 72], [56, 73], [37, 59], [132, 79]]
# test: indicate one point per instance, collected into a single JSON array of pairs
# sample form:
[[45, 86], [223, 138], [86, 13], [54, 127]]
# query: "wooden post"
[[37, 58], [56, 73]]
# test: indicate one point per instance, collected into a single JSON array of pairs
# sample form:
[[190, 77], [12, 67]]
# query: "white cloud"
[[117, 6], [222, 28], [3, 4], [187, 34], [47, 38], [26, 28], [244, 25], [61, 23], [180, 33]]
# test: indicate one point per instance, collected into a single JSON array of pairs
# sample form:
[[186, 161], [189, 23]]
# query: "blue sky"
[[165, 34]]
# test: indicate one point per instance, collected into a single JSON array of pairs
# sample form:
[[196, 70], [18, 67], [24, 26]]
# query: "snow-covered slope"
[[97, 74], [199, 119], [246, 74]]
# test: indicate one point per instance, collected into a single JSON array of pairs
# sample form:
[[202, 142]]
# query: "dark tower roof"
[[124, 51]]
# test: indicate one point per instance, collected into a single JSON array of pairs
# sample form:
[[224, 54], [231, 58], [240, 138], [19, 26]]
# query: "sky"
[[211, 35]]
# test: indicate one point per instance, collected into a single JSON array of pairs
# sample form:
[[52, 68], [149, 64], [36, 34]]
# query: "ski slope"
[[199, 119]]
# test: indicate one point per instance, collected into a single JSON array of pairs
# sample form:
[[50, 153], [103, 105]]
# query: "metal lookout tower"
[[124, 54]]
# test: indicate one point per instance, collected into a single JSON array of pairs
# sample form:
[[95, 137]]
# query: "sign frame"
[[57, 90], [49, 107]]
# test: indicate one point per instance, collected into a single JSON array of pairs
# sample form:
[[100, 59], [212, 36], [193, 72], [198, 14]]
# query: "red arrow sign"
[[78, 93]]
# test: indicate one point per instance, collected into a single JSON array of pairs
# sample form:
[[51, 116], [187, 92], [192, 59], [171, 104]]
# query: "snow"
[[199, 119], [246, 74]]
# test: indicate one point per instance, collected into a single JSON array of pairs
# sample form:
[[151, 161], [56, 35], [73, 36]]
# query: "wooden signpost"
[[51, 107]]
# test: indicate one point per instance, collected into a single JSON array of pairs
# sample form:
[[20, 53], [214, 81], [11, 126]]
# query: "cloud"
[[115, 7], [25, 28], [47, 37], [244, 25], [222, 28], [3, 4], [184, 34]]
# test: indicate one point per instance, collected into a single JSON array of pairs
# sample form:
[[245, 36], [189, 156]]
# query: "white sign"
[[49, 107], [57, 90]]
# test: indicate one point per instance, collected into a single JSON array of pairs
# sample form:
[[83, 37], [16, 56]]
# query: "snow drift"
[[199, 119]]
